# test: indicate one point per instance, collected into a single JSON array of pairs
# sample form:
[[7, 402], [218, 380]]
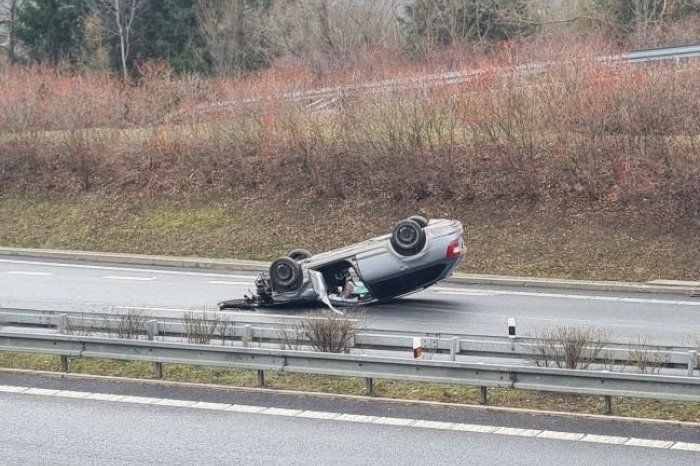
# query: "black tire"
[[299, 254], [408, 238], [420, 220], [286, 274]]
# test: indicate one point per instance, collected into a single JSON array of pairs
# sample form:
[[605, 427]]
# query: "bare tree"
[[644, 15], [118, 19], [234, 33], [9, 11], [244, 34]]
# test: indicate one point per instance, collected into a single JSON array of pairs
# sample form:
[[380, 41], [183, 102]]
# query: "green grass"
[[678, 411], [615, 245]]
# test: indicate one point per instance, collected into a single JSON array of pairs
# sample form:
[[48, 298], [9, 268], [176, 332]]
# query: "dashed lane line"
[[223, 282], [616, 299], [119, 277], [126, 269], [357, 418], [23, 272]]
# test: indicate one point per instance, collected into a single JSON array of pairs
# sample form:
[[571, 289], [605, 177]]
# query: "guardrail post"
[[692, 362], [607, 401], [64, 363], [246, 335], [152, 329], [261, 378], [61, 323], [484, 396], [370, 385], [349, 344], [454, 348]]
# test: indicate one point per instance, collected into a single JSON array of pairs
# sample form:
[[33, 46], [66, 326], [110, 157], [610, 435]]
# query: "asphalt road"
[[79, 421], [469, 309]]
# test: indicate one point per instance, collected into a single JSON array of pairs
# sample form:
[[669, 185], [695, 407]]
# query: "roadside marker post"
[[417, 348], [511, 327], [511, 332]]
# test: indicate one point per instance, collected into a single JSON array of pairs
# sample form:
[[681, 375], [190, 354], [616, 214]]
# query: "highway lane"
[[71, 427], [445, 308]]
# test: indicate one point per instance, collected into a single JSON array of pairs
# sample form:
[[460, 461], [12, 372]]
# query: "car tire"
[[286, 274], [420, 220], [408, 238], [299, 254]]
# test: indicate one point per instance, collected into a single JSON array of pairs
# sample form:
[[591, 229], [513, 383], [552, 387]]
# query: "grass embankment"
[[620, 245], [638, 408]]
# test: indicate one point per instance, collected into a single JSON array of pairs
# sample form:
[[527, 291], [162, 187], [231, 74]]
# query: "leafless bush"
[[130, 324], [330, 332], [201, 328], [647, 358], [581, 132], [79, 327], [569, 347], [291, 337]]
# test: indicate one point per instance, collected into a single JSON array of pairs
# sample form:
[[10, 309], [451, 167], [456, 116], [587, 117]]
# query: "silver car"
[[415, 255]]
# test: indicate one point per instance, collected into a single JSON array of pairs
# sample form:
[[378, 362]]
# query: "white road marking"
[[221, 282], [22, 272], [333, 417], [143, 279], [440, 425], [212, 406], [246, 409], [318, 415], [640, 442], [608, 439], [127, 269], [456, 291], [282, 412], [176, 403], [462, 292], [686, 446], [560, 435]]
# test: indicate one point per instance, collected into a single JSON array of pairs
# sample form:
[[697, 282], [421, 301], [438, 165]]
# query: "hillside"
[[586, 171]]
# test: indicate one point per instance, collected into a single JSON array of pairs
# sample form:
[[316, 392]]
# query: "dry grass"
[[506, 240]]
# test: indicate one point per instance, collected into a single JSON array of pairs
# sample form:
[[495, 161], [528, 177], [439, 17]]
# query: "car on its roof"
[[415, 255]]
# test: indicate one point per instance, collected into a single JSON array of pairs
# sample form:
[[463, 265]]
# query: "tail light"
[[454, 250]]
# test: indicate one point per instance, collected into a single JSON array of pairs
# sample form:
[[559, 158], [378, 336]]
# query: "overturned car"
[[415, 255]]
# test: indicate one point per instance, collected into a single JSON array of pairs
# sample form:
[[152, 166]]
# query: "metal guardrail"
[[321, 98], [278, 330], [600, 383], [667, 53]]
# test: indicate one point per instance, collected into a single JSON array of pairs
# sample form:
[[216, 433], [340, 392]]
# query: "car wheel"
[[420, 220], [286, 274], [299, 254], [408, 238]]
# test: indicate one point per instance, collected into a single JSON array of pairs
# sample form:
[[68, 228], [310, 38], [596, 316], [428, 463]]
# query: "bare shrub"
[[329, 332], [290, 337], [201, 328], [647, 358], [579, 132], [569, 347], [130, 324], [79, 327]]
